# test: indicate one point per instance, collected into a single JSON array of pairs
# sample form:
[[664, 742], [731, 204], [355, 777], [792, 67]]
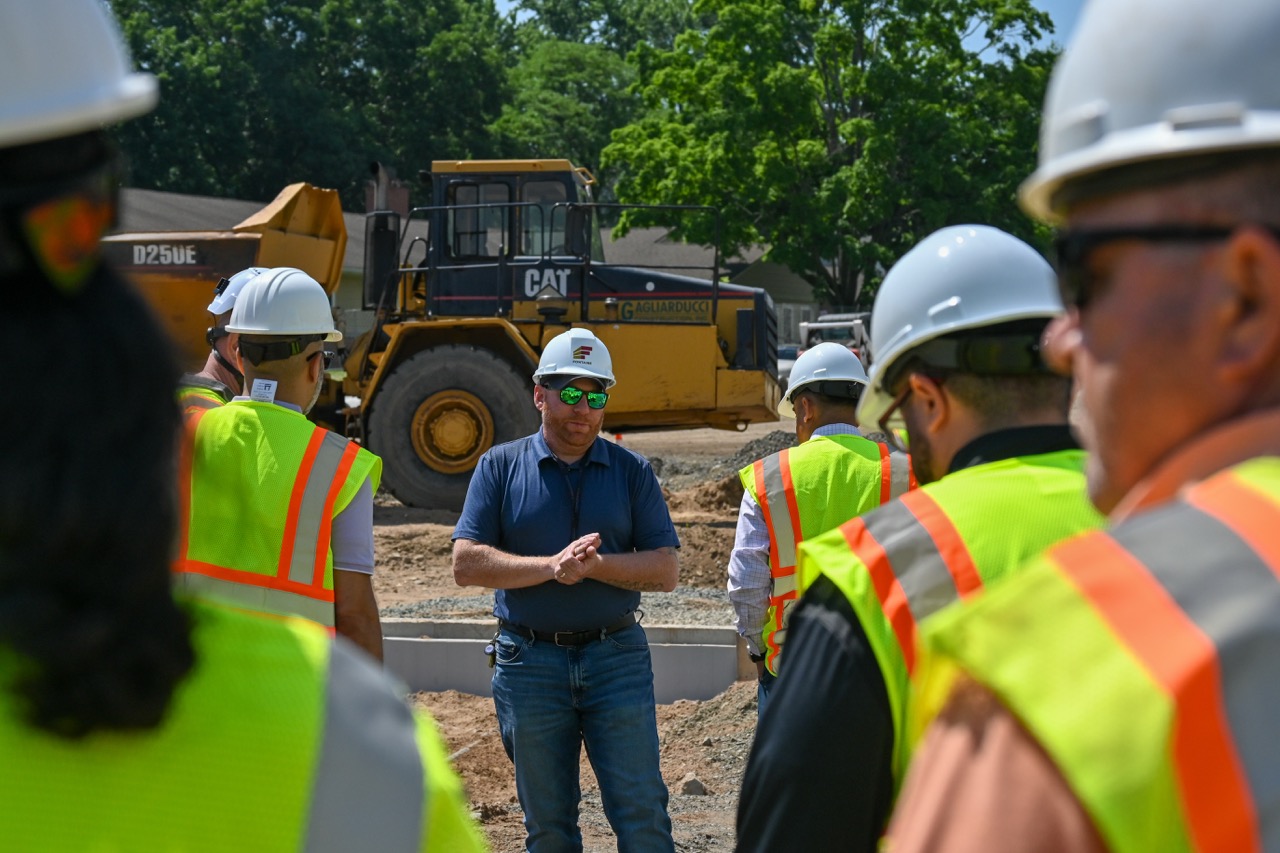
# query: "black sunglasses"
[[330, 358], [570, 397], [1073, 248]]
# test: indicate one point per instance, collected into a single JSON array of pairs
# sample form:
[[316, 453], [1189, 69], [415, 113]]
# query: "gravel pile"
[[684, 606], [677, 474]]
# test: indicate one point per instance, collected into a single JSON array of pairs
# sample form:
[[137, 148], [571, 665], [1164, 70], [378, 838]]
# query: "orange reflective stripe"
[[186, 455], [1246, 513], [295, 502], [886, 474], [255, 579], [893, 598], [326, 519], [1184, 662], [197, 403], [955, 555]]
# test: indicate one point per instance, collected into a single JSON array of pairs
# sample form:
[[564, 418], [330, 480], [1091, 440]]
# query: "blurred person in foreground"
[[1121, 693], [130, 720], [956, 332]]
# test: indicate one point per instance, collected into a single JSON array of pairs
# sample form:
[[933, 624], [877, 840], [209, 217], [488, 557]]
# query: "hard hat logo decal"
[[581, 353]]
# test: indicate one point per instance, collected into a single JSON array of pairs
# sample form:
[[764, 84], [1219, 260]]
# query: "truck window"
[[476, 232], [542, 233]]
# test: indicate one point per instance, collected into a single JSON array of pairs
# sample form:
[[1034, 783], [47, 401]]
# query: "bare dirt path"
[[704, 745]]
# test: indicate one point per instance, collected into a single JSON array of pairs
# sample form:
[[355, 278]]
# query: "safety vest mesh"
[[942, 542], [247, 747], [194, 397], [1146, 661], [806, 490], [262, 485]]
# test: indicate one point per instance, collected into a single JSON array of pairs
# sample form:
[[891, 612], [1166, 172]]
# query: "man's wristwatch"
[[755, 658]]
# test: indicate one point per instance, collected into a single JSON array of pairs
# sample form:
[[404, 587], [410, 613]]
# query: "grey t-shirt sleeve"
[[352, 533]]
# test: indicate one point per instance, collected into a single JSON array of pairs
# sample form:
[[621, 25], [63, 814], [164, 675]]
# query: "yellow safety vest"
[[806, 490], [278, 739], [1145, 659], [195, 397], [261, 486], [948, 539]]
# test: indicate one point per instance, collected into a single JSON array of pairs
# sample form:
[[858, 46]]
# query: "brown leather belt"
[[570, 638]]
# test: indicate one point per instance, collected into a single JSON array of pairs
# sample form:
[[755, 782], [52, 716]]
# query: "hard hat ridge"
[[68, 73], [575, 353], [960, 279], [828, 368], [224, 297], [283, 302], [1145, 81]]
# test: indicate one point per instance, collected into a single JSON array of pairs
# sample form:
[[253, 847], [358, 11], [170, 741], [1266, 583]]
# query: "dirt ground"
[[704, 745]]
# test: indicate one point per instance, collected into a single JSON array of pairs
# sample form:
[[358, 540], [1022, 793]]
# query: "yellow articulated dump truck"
[[464, 294]]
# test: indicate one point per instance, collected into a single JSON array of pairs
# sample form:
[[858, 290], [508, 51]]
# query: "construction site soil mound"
[[704, 745]]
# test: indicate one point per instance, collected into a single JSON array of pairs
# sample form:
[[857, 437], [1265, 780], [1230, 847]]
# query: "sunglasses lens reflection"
[[595, 399]]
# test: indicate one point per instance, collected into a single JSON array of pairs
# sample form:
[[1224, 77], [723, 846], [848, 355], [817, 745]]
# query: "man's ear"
[[315, 366], [539, 397], [1245, 310], [933, 405]]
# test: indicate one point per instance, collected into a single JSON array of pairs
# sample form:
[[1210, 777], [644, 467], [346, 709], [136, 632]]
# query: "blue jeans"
[[550, 701], [764, 686]]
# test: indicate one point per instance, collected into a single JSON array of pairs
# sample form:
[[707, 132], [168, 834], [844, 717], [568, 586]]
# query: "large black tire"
[[437, 413]]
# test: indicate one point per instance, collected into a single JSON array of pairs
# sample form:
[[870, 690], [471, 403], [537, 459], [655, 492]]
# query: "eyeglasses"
[[1073, 248], [330, 358], [570, 397], [892, 424]]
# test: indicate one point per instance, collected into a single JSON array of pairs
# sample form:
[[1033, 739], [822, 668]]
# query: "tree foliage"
[[571, 87], [840, 133], [256, 94]]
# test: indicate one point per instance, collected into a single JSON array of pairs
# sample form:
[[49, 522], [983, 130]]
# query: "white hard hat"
[[825, 363], [284, 302], [66, 71], [577, 352], [224, 298], [1146, 80], [958, 278]]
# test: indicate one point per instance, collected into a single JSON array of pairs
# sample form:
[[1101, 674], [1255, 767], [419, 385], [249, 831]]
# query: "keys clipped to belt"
[[491, 649]]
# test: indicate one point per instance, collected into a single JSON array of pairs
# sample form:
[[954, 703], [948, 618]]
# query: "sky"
[[1064, 14]]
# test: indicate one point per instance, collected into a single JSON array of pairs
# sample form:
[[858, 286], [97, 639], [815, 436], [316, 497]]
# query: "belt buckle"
[[555, 638]]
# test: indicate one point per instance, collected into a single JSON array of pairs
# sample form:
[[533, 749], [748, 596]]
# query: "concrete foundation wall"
[[689, 662]]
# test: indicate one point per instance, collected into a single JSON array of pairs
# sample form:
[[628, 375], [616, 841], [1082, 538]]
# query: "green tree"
[[569, 96], [840, 133], [256, 94]]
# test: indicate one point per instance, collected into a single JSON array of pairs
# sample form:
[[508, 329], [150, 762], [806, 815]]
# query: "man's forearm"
[[355, 611], [475, 564], [645, 571]]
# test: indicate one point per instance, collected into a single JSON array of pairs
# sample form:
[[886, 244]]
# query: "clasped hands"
[[578, 559]]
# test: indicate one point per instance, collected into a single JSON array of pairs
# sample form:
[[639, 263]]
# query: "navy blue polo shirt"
[[524, 501]]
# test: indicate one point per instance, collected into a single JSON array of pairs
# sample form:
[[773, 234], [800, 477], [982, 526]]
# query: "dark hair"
[[847, 400], [87, 510], [1007, 388]]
